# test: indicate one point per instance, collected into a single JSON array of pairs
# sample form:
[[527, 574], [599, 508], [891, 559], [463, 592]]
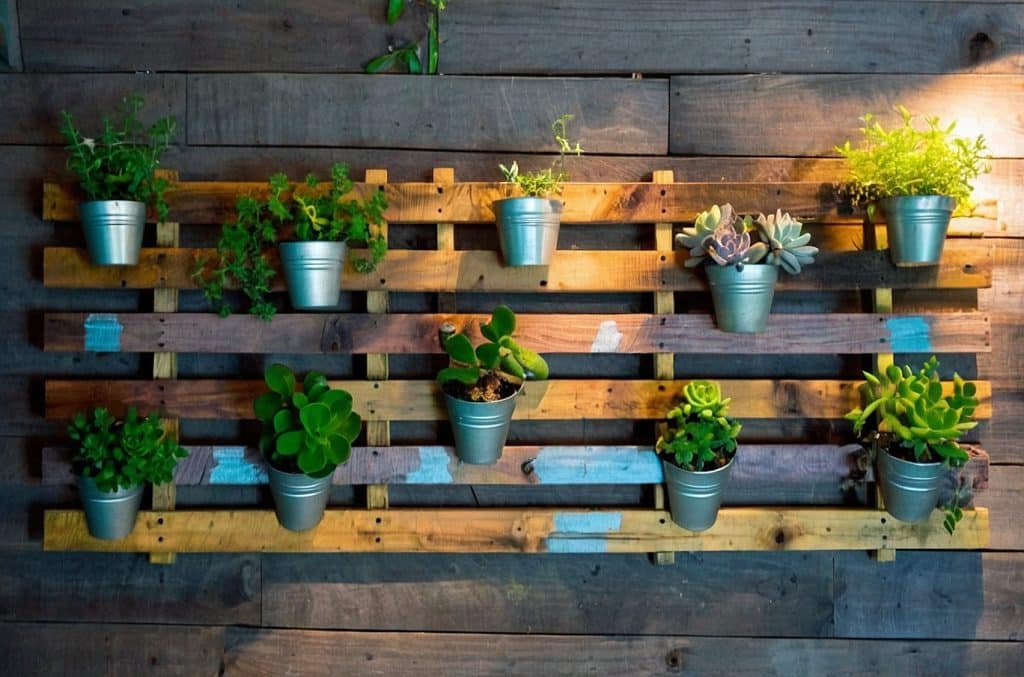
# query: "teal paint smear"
[[102, 333], [231, 467], [909, 334], [568, 524], [433, 467], [597, 465]]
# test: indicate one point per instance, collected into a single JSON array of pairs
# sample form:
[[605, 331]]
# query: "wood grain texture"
[[605, 36], [10, 45], [397, 400], [499, 114], [140, 36], [966, 264], [504, 530], [981, 104]]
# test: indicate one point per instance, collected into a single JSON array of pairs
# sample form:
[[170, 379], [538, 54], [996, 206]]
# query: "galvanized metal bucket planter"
[[480, 428], [113, 231], [109, 514], [916, 226], [694, 497], [528, 229], [312, 272], [742, 296], [299, 500], [910, 490]]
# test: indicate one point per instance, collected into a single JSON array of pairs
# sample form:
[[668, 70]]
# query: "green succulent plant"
[[309, 431], [699, 435], [122, 454]]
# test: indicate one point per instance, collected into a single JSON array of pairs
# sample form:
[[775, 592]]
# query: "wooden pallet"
[[807, 478]]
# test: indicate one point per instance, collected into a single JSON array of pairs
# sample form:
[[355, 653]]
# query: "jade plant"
[[121, 162], [305, 431], [495, 368], [314, 213], [700, 435], [547, 181], [122, 454], [723, 237]]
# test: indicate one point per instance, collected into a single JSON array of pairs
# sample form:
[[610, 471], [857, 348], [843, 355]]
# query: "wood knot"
[[674, 660], [980, 47]]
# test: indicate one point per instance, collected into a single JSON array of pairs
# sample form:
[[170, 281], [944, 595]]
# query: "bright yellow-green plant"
[[547, 181], [700, 435]]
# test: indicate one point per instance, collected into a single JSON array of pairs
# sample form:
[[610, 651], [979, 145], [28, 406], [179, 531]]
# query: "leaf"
[[488, 355], [315, 416], [503, 321], [312, 460], [460, 349], [290, 442], [380, 63], [339, 450], [312, 380], [299, 400], [284, 421], [350, 427], [280, 379], [395, 10], [265, 406], [466, 375], [412, 61], [340, 402]]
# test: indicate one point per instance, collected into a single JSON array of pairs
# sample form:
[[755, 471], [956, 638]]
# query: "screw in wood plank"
[[445, 332]]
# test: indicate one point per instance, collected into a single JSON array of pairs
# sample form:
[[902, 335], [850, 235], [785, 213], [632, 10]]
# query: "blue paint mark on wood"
[[579, 532], [103, 333], [597, 465], [909, 334], [433, 467], [230, 466]]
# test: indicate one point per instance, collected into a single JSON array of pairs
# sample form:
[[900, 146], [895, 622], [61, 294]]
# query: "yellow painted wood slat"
[[598, 399], [967, 264], [378, 432], [664, 362], [530, 530]]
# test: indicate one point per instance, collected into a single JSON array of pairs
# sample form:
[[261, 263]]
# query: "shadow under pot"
[[742, 296], [312, 272], [694, 496], [916, 227], [299, 500], [113, 231], [480, 428], [109, 514], [910, 490], [528, 229]]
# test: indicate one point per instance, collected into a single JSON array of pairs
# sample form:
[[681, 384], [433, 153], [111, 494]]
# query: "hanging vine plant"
[[409, 55]]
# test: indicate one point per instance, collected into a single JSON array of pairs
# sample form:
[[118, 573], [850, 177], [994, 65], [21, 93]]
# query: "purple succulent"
[[727, 245]]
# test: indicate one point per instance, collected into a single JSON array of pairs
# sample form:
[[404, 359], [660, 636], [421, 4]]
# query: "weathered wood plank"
[[250, 651], [499, 114], [406, 333], [609, 37], [955, 595], [965, 264], [92, 587], [32, 104], [143, 36], [1006, 501], [60, 649], [10, 42], [498, 530], [700, 124]]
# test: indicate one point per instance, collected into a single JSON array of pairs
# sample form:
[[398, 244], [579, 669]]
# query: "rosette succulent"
[[786, 243], [700, 435]]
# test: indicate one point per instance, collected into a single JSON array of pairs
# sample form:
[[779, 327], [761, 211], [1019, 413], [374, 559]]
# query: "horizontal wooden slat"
[[965, 264], [510, 530], [406, 333], [421, 400], [790, 474]]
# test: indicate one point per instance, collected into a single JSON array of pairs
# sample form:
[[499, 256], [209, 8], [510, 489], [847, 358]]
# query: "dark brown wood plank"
[[499, 114], [965, 264], [59, 649], [604, 36], [268, 652], [95, 587], [583, 334], [193, 36], [1007, 503], [952, 595], [10, 41], [725, 115], [32, 104]]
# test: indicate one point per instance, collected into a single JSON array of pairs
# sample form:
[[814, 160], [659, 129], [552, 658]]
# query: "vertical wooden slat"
[[881, 302], [378, 433], [445, 177], [664, 363]]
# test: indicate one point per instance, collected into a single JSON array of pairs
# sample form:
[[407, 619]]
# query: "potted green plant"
[[528, 225], [481, 385], [742, 273], [116, 171], [324, 222], [913, 432], [113, 460], [306, 435], [697, 451], [919, 177]]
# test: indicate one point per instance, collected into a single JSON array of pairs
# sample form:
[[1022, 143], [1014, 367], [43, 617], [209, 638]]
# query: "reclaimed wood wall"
[[715, 90]]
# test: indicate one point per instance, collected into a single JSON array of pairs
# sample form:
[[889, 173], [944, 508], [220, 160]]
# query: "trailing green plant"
[[908, 160], [547, 181], [309, 431], [699, 434], [483, 370], [409, 54], [952, 510], [722, 236], [120, 164], [316, 214], [122, 454]]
